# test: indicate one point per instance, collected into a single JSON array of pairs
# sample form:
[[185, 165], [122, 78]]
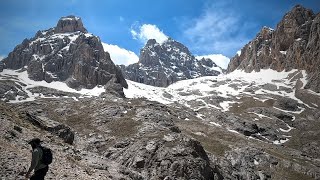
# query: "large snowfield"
[[223, 85], [182, 91]]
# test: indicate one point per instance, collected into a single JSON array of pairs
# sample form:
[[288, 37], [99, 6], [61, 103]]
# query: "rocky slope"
[[66, 53], [259, 125], [163, 64], [293, 44], [104, 138]]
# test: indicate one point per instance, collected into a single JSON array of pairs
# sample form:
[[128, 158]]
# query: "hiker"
[[37, 164]]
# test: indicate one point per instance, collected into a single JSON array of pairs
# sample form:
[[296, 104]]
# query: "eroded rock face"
[[66, 53], [292, 45], [166, 63], [256, 54]]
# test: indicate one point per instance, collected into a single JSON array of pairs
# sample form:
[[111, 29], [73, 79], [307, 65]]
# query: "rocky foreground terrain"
[[258, 125], [227, 127]]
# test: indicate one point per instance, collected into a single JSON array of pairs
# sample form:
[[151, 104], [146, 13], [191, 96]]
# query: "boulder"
[[287, 104], [157, 159], [61, 130]]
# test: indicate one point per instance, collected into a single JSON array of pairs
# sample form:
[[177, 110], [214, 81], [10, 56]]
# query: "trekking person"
[[40, 168]]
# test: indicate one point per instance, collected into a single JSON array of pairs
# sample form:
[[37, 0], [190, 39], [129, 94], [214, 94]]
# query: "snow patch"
[[260, 115], [200, 134], [286, 130], [281, 141], [283, 52], [225, 105], [216, 124]]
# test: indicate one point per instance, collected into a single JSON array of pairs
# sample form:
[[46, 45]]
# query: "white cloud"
[[217, 30], [120, 55], [147, 31], [219, 59], [239, 53], [2, 57]]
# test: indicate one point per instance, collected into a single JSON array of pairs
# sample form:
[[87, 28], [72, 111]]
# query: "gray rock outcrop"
[[61, 130], [156, 159], [294, 44], [161, 64]]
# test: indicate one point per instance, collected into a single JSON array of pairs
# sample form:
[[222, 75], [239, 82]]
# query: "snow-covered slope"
[[16, 86], [234, 86]]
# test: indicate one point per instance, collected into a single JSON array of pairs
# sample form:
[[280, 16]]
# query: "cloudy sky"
[[214, 28]]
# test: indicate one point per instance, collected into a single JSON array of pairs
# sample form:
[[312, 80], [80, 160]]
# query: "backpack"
[[46, 155]]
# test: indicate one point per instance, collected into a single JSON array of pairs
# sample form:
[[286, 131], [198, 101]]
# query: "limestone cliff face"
[[161, 64], [255, 54], [294, 44], [66, 53]]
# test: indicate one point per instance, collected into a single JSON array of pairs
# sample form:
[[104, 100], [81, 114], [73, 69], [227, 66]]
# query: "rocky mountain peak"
[[69, 54], [161, 64], [150, 43], [295, 24], [299, 14], [70, 24]]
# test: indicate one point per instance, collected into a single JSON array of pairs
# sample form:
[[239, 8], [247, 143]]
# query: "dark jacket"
[[36, 162]]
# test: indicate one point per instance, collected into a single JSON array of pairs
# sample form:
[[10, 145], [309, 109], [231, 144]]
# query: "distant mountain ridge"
[[66, 53], [161, 64], [294, 44]]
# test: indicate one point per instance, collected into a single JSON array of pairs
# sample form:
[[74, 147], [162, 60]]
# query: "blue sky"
[[204, 26]]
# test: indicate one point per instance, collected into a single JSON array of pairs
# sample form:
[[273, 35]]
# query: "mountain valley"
[[169, 116]]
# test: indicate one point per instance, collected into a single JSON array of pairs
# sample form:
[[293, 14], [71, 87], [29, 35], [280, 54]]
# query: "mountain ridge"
[[293, 44]]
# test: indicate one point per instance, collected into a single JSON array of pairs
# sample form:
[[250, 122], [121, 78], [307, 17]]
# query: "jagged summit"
[[169, 51], [300, 14], [161, 64], [69, 24]]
